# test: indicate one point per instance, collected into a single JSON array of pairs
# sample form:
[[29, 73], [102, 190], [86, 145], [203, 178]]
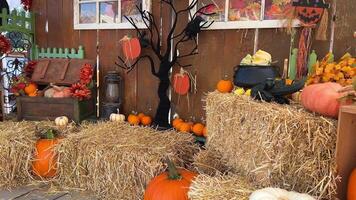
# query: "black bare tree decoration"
[[167, 61]]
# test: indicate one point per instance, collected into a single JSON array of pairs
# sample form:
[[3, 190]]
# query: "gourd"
[[198, 129], [171, 185], [322, 98], [351, 188], [45, 159], [278, 194], [30, 88], [146, 120], [133, 119], [117, 117], [61, 121], [224, 86]]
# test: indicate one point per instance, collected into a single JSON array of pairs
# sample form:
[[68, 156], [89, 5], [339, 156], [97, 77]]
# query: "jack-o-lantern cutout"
[[181, 82], [310, 12]]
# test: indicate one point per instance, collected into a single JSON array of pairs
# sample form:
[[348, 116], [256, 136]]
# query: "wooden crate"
[[60, 72], [346, 148]]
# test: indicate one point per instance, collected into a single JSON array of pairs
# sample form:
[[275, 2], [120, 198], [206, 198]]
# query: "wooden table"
[[346, 147]]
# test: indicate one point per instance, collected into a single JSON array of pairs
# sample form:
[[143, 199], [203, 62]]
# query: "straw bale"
[[17, 143], [229, 187], [116, 160], [210, 162], [274, 145]]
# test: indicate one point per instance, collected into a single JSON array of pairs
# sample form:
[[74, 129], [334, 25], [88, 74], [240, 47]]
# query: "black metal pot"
[[247, 76]]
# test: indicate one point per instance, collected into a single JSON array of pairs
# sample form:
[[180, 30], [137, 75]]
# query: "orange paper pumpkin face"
[[181, 83], [309, 15], [131, 47]]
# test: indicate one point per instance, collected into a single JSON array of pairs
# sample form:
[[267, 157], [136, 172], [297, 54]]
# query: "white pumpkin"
[[278, 194], [61, 121], [117, 117]]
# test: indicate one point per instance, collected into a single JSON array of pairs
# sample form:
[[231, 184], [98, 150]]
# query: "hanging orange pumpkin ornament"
[[181, 82], [131, 47], [171, 185]]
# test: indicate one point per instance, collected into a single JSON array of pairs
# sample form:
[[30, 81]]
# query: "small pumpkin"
[[322, 98], [45, 159], [198, 129], [133, 119], [30, 88], [179, 125], [146, 120], [141, 115], [35, 94], [224, 86], [278, 194], [61, 121], [171, 185], [351, 188], [176, 121], [205, 132], [117, 117], [185, 127]]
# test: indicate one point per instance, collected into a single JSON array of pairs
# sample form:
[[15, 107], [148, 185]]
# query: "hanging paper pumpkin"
[[181, 82], [131, 47]]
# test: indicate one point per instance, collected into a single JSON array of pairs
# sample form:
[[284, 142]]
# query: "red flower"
[[30, 68], [26, 4], [21, 86], [86, 74], [80, 91], [5, 45]]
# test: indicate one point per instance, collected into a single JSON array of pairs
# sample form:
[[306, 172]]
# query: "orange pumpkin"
[[131, 47], [133, 119], [33, 94], [224, 86], [141, 115], [322, 98], [351, 188], [146, 120], [30, 88], [176, 121], [171, 185], [185, 127], [198, 129], [205, 132], [45, 159], [179, 125]]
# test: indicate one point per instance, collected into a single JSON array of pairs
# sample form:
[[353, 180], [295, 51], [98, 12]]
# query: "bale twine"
[[17, 145], [116, 160], [227, 187], [274, 145]]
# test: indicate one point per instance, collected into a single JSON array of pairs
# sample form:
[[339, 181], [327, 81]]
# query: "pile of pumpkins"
[[133, 119], [197, 129]]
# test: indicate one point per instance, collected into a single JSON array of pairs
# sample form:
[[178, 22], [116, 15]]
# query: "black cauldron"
[[247, 76]]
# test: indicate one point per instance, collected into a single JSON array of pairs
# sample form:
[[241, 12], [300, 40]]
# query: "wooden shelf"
[[346, 148]]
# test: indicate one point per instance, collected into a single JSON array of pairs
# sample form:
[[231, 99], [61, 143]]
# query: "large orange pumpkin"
[[322, 98], [224, 86], [351, 189], [131, 47], [171, 185], [45, 160]]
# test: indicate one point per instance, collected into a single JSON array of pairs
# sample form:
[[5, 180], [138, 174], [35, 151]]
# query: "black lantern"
[[113, 94]]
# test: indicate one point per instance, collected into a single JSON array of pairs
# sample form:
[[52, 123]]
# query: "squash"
[[61, 121], [322, 98], [198, 129], [30, 88], [117, 117], [146, 120], [278, 194], [45, 159], [351, 188], [133, 119], [224, 86], [171, 185]]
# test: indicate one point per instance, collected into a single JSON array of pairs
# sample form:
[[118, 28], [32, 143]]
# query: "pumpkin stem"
[[173, 173], [50, 134]]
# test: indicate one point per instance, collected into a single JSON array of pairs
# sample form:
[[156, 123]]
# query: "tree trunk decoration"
[[167, 61]]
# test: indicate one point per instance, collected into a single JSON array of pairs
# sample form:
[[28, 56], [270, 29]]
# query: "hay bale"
[[274, 145], [116, 160], [220, 188], [210, 162], [17, 144]]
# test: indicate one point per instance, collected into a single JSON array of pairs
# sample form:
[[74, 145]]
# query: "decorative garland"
[[26, 4]]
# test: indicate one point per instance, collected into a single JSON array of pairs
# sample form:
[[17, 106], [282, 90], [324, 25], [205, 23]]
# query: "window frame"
[[146, 5], [261, 23]]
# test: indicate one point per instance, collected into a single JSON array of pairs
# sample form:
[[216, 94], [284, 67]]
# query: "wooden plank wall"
[[219, 51]]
